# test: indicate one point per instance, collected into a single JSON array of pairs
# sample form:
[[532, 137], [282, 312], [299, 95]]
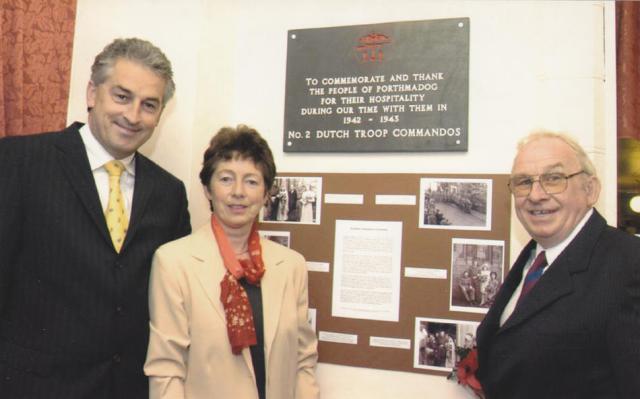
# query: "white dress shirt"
[[98, 156]]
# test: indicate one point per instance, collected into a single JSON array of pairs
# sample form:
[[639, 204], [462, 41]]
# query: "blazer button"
[[119, 309], [116, 358], [119, 265]]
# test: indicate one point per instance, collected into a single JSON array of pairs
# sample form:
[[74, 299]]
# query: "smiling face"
[[550, 218], [125, 108], [237, 192]]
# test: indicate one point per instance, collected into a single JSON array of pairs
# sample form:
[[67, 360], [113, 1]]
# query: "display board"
[[402, 267]]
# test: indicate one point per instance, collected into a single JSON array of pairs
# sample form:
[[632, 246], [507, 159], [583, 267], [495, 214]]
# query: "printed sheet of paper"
[[366, 275]]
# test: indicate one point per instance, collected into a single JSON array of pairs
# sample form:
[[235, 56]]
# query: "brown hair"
[[242, 142]]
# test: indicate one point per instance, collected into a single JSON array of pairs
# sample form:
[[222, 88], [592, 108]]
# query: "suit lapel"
[[208, 266], [209, 270], [491, 321], [143, 188], [557, 281], [272, 285], [553, 285], [75, 164]]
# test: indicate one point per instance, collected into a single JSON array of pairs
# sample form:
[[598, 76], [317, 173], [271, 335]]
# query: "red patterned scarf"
[[237, 309]]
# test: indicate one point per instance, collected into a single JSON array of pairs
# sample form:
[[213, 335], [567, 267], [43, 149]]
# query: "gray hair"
[[137, 50], [583, 158]]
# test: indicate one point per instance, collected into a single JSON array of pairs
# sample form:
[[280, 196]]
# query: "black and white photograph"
[[462, 204], [294, 200], [440, 342], [476, 274], [281, 237]]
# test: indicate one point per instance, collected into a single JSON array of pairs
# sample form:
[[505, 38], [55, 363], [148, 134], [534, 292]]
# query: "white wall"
[[532, 64]]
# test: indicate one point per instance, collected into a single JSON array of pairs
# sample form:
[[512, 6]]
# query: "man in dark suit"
[[73, 301], [568, 327]]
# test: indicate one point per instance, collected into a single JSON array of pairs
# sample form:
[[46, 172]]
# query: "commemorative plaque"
[[391, 87]]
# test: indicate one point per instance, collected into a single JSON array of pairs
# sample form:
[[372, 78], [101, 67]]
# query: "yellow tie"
[[115, 214]]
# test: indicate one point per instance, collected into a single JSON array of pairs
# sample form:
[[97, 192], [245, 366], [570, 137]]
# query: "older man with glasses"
[[566, 322]]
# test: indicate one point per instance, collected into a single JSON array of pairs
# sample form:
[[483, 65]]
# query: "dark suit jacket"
[[577, 333], [73, 312]]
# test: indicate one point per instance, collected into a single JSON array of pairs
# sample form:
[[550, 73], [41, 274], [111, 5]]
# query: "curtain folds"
[[628, 68], [36, 46]]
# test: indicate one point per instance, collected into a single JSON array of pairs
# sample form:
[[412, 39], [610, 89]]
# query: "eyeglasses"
[[552, 183]]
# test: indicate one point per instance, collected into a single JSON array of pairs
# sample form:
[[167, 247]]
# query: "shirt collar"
[[97, 154], [553, 252]]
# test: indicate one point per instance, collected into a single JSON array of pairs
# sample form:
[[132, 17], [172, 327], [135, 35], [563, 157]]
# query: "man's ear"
[[91, 94], [592, 188]]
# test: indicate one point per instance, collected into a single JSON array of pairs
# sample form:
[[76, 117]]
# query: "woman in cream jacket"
[[256, 344]]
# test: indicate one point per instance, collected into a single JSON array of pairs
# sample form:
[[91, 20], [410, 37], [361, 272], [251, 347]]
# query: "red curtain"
[[628, 68], [36, 45]]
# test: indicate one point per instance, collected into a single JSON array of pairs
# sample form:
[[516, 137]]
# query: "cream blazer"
[[189, 355]]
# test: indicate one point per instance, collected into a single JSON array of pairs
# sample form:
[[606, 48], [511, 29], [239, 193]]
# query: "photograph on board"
[[439, 342], [294, 200], [462, 204], [476, 274], [281, 237]]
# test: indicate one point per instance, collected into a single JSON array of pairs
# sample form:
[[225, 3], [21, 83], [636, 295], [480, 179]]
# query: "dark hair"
[[137, 50], [242, 142]]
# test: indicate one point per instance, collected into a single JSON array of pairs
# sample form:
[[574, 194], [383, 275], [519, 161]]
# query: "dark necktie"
[[533, 275]]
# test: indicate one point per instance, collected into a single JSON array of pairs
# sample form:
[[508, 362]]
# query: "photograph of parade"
[[440, 343], [476, 274], [281, 237], [455, 204], [294, 200]]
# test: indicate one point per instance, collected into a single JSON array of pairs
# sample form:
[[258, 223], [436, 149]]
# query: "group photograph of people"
[[294, 200], [456, 204], [442, 343], [477, 270]]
